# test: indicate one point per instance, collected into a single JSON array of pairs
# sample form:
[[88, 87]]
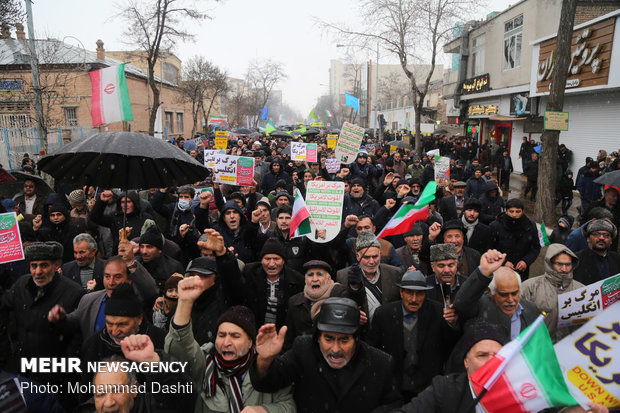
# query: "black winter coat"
[[446, 394], [518, 238], [365, 384]]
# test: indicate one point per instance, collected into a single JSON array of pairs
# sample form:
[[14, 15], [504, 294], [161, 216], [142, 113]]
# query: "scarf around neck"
[[317, 297], [469, 226], [234, 370]]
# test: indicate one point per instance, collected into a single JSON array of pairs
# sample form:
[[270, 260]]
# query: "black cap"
[[479, 331], [472, 203], [202, 265], [339, 315], [123, 302]]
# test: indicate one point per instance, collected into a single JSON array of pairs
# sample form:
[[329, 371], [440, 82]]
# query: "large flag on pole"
[[352, 102], [524, 376], [312, 115], [269, 127], [110, 96], [328, 113], [300, 220], [409, 214], [264, 113]]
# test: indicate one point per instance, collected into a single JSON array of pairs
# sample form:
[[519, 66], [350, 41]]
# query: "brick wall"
[[590, 10]]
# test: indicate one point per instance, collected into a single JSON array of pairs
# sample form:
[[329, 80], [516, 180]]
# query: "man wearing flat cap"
[[303, 307], [410, 253], [30, 300], [451, 206], [598, 261], [419, 333]]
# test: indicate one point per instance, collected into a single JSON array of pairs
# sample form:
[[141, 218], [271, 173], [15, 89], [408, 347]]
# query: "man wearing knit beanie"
[[598, 261], [61, 229], [158, 264], [220, 368], [77, 200]]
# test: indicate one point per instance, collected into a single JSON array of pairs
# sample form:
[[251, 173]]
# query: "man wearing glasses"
[[503, 306], [598, 261], [543, 291], [29, 203]]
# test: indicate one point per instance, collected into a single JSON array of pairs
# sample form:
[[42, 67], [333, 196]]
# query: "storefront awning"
[[506, 118]]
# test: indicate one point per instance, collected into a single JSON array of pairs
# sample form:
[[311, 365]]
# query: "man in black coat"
[[453, 232], [158, 264], [87, 268], [531, 172], [444, 266], [598, 261], [516, 235], [451, 206], [332, 371], [477, 234], [417, 332], [491, 203]]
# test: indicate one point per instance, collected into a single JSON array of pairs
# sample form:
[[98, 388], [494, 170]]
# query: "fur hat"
[[472, 203], [153, 237], [273, 246], [123, 302], [443, 252], [43, 251], [366, 239], [600, 225], [241, 316], [480, 331]]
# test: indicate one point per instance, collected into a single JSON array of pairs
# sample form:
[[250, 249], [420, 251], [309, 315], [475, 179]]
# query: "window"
[[179, 122], [171, 73], [513, 31], [169, 122], [71, 117], [478, 55]]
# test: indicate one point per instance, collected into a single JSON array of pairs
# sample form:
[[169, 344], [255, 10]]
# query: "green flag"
[[312, 115], [269, 127], [543, 239]]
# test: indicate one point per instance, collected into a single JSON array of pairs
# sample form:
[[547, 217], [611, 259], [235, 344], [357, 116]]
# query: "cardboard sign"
[[442, 170], [332, 140], [233, 170], [221, 139], [324, 201], [589, 359], [349, 142], [10, 239], [210, 156], [579, 306], [303, 151], [332, 165]]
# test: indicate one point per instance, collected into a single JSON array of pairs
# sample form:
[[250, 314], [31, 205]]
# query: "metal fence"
[[16, 141]]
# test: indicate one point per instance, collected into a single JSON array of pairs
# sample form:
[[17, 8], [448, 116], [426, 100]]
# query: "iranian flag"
[[328, 113], [110, 97], [300, 221], [542, 235], [409, 214], [524, 376]]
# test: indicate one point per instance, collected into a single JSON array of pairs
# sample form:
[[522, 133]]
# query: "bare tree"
[[156, 26], [411, 30], [11, 12], [203, 82], [262, 76], [547, 167], [391, 88]]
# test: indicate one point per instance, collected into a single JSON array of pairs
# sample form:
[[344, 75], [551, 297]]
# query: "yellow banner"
[[332, 140], [221, 143]]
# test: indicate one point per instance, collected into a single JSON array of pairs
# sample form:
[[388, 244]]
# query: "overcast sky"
[[241, 30]]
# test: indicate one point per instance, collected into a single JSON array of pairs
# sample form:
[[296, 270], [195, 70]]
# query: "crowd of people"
[[209, 274]]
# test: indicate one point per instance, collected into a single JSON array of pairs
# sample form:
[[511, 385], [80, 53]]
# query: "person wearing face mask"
[[557, 279], [177, 213]]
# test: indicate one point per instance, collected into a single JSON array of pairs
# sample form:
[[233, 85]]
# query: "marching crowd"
[[208, 274]]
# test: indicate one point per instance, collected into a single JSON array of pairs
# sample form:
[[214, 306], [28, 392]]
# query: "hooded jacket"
[[247, 242], [518, 238], [544, 290], [268, 183], [491, 207]]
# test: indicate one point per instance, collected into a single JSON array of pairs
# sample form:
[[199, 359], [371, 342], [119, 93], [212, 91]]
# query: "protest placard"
[[332, 140], [301, 151], [10, 239], [589, 359], [324, 201], [233, 170], [442, 170], [579, 306], [349, 142], [221, 139], [332, 165], [209, 157]]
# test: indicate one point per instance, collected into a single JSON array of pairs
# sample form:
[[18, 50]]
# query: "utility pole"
[[36, 88]]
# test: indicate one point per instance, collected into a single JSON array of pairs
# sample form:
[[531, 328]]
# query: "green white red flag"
[[543, 239], [409, 214], [524, 376], [110, 96], [300, 220]]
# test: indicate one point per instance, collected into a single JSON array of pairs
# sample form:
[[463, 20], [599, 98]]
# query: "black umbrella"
[[311, 132], [9, 188], [610, 179], [126, 160], [242, 131], [440, 132], [400, 144]]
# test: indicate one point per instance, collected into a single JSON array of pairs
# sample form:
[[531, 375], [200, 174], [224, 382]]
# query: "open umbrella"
[[242, 131], [126, 160], [610, 179], [440, 132], [311, 132], [280, 134], [400, 144], [9, 188]]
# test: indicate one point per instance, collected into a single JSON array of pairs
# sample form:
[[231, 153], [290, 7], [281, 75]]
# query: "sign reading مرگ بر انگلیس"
[[580, 305]]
